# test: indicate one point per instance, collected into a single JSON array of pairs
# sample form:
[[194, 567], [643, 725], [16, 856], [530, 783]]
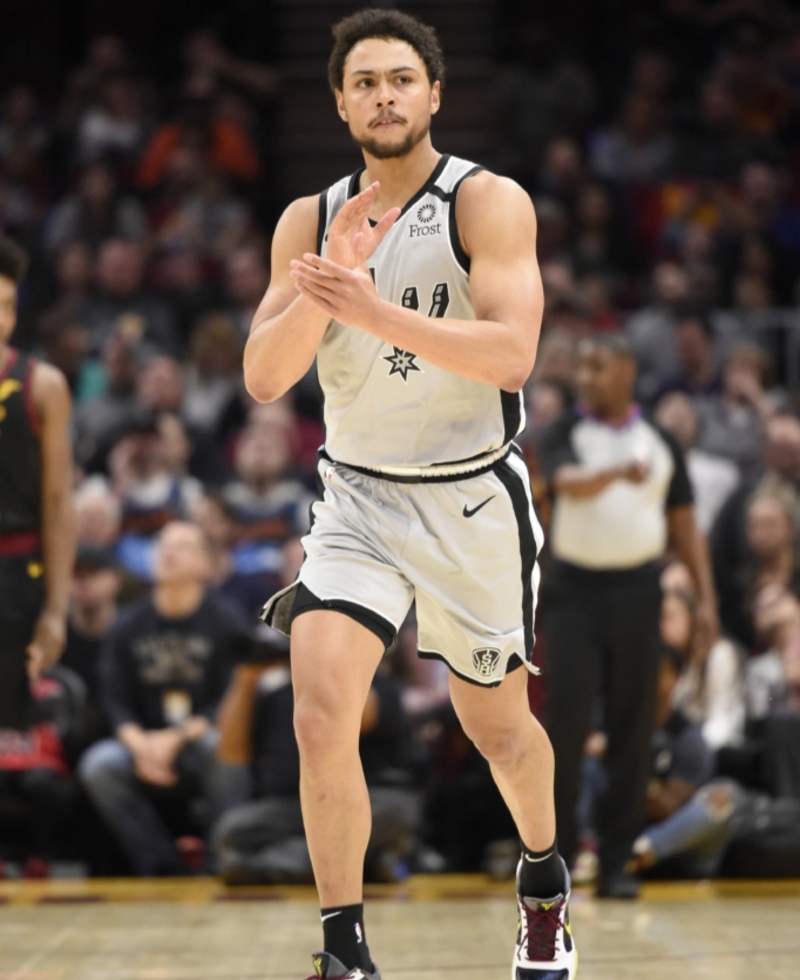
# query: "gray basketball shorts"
[[466, 550]]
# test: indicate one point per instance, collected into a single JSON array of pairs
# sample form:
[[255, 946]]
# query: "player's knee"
[[320, 726], [503, 748]]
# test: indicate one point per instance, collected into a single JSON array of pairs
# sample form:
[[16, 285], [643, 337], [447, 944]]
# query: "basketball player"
[[420, 293], [37, 536]]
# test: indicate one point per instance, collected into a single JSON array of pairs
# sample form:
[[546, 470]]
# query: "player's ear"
[[340, 104], [436, 97]]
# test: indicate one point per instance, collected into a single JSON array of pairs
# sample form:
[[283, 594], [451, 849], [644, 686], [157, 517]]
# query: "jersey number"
[[439, 301]]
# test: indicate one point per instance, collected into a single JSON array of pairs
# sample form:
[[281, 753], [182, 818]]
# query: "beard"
[[391, 151]]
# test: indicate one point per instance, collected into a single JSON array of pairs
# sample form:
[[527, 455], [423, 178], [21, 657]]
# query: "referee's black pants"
[[602, 632]]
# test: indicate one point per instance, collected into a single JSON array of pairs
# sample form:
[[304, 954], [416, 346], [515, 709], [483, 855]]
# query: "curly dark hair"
[[376, 22], [13, 261]]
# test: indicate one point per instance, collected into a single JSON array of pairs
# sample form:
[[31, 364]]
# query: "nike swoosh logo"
[[330, 915], [471, 513], [529, 859]]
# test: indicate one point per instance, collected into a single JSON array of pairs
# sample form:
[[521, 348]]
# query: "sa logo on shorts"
[[485, 661]]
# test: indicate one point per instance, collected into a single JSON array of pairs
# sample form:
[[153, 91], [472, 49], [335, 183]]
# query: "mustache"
[[384, 116]]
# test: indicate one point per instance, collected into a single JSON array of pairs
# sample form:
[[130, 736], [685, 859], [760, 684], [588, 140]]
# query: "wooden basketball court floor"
[[432, 928]]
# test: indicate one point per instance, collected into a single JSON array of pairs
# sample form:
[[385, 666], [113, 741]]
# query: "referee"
[[621, 495]]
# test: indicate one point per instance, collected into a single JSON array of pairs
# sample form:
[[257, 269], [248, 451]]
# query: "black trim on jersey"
[[323, 220], [427, 188], [511, 402], [433, 478], [455, 242], [512, 664], [512, 481]]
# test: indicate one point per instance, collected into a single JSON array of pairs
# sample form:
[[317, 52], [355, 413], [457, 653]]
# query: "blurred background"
[[146, 152]]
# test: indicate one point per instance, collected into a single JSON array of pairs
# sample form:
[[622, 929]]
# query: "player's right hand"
[[343, 248]]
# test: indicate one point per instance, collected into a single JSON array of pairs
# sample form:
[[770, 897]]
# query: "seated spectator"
[[226, 144], [697, 374], [216, 517], [96, 585], [159, 385], [151, 493], [182, 276], [600, 245], [97, 513], [97, 422], [261, 839], [199, 209], [114, 123], [38, 794], [164, 667], [121, 294], [733, 424], [96, 212], [778, 472], [246, 281], [563, 171], [682, 762], [214, 375], [772, 539], [713, 478], [709, 688], [22, 123], [781, 762], [64, 343], [651, 331], [106, 57], [268, 504], [715, 145], [639, 149], [74, 269], [776, 617], [596, 296]]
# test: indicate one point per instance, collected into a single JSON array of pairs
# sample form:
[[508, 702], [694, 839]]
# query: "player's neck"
[[5, 356], [400, 177]]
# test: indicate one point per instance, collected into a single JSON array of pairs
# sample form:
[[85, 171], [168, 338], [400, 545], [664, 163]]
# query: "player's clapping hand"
[[348, 295], [345, 247], [47, 644]]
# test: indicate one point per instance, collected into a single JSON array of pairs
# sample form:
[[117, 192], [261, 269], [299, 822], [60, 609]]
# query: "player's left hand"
[[47, 644], [347, 295]]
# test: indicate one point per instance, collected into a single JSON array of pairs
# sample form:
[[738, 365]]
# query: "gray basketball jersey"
[[386, 407]]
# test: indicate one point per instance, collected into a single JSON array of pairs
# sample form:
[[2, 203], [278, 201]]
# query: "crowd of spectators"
[[669, 209]]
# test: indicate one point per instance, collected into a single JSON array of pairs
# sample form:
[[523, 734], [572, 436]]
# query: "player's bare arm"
[[498, 230], [288, 329], [52, 403]]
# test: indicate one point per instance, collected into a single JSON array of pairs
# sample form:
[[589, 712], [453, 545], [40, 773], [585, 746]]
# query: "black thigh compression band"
[[306, 601]]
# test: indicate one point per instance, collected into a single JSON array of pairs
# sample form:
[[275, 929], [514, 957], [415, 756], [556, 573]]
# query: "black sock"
[[343, 930], [542, 873]]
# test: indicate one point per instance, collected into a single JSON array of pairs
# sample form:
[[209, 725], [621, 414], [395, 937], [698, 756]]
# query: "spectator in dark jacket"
[[164, 668]]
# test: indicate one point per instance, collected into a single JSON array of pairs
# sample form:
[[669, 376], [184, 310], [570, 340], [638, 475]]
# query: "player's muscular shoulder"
[[492, 209], [296, 232]]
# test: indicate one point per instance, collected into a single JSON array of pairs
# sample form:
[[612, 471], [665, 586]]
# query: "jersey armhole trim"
[[323, 220], [460, 255]]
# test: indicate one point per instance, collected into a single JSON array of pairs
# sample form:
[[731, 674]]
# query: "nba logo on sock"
[[485, 661], [359, 937]]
